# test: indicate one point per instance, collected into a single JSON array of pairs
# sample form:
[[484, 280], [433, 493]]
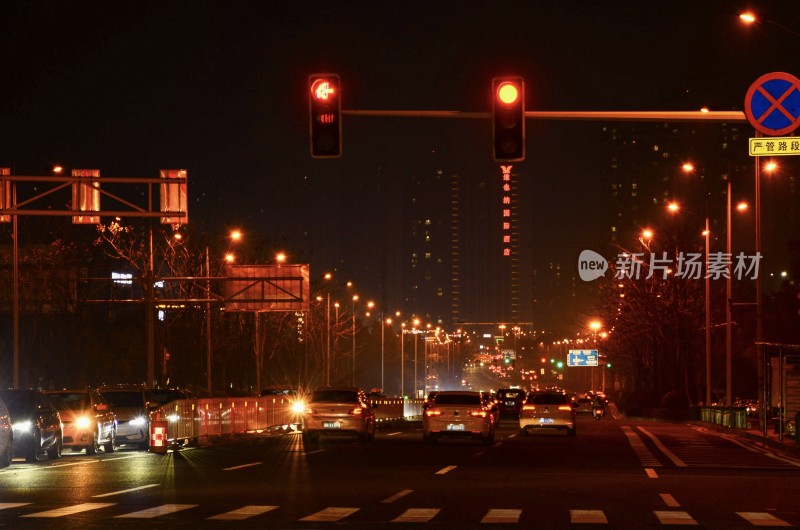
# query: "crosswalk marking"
[[762, 519], [445, 470], [9, 505], [70, 510], [502, 516], [669, 500], [677, 517], [244, 512], [156, 512], [587, 516], [646, 457], [398, 495], [330, 515], [661, 447], [651, 473], [416, 515]]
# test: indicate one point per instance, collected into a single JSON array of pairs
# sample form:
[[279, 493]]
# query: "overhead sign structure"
[[775, 146], [582, 358], [772, 104]]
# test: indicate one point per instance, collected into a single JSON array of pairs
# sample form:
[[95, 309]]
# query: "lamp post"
[[355, 299], [402, 360], [416, 379], [336, 306], [707, 235]]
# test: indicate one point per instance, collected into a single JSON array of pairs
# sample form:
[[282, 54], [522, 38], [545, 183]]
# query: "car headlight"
[[83, 422], [298, 407], [24, 426], [139, 421]]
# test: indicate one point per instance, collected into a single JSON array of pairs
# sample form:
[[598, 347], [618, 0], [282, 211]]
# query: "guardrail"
[[190, 420], [734, 417]]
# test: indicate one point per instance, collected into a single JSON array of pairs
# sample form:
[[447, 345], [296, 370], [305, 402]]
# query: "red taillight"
[[310, 411], [564, 407], [430, 412], [358, 411], [478, 413], [528, 407]]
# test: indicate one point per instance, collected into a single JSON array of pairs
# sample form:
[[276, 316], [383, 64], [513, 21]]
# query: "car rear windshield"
[[457, 399], [511, 394], [124, 399], [547, 399], [334, 396]]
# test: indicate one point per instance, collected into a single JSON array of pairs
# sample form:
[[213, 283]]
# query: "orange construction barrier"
[[158, 437]]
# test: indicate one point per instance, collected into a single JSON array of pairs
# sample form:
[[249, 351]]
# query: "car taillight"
[[310, 411], [528, 407], [478, 413], [430, 412], [564, 407], [358, 411]]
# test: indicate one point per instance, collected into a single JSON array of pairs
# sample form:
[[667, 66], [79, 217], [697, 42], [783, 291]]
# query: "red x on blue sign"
[[772, 104]]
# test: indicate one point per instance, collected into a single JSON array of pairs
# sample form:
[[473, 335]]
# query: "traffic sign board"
[[772, 104], [775, 146], [582, 358]]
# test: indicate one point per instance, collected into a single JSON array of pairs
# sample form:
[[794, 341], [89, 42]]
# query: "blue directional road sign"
[[582, 358]]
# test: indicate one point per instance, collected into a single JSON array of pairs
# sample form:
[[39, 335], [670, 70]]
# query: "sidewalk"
[[754, 433]]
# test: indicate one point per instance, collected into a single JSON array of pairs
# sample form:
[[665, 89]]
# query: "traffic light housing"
[[508, 119], [325, 116]]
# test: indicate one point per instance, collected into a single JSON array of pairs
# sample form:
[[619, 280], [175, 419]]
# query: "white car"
[[458, 414]]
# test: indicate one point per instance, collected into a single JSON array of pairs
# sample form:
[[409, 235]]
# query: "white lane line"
[[445, 470], [70, 510], [762, 519], [82, 462], [416, 515], [502, 516], [156, 512], [587, 517], [651, 472], [244, 512], [637, 444], [242, 466], [312, 452], [394, 433], [330, 515], [677, 518], [661, 447], [399, 495], [669, 500], [9, 505], [120, 492]]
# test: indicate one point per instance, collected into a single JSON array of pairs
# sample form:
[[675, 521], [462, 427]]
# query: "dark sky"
[[219, 88]]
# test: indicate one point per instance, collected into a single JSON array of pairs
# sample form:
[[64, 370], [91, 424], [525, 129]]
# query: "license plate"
[[546, 421], [455, 426], [330, 424], [509, 403]]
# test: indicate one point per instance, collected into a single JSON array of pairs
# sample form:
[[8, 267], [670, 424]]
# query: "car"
[[510, 401], [547, 410], [6, 436], [458, 414], [491, 404], [36, 424], [583, 405], [87, 420], [132, 404], [335, 411]]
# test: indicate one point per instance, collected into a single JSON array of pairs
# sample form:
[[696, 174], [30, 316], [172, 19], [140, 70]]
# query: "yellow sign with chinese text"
[[775, 146]]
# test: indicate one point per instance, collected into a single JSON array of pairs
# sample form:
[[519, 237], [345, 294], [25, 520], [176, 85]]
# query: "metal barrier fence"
[[735, 417], [194, 419]]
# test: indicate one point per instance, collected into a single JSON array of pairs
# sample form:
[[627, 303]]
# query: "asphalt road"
[[613, 474]]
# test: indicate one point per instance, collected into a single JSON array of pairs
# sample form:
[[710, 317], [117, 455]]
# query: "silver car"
[[547, 410], [461, 414], [132, 406], [333, 411]]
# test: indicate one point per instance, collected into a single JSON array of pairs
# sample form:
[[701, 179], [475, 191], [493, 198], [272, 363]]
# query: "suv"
[[132, 405], [336, 411], [36, 424], [547, 410], [87, 420], [510, 400]]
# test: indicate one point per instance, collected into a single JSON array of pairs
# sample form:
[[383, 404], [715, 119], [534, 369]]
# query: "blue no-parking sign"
[[772, 104]]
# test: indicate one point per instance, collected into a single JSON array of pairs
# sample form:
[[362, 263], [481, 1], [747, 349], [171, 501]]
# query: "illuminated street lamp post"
[[416, 379], [355, 299], [402, 360]]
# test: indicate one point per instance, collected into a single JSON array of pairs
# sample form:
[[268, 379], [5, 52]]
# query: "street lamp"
[[327, 277], [416, 379], [355, 299], [402, 360]]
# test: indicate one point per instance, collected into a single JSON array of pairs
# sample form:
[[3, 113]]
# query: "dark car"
[[6, 436], [36, 424], [510, 401]]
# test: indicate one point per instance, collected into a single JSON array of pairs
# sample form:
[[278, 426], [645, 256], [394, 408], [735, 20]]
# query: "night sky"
[[219, 88]]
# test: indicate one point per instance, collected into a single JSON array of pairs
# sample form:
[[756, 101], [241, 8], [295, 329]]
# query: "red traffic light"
[[324, 108]]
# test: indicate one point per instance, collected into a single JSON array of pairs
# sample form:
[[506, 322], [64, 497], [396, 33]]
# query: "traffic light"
[[508, 119], [325, 111]]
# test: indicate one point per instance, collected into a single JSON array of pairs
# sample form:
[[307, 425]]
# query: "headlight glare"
[[24, 426], [83, 422], [139, 421]]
